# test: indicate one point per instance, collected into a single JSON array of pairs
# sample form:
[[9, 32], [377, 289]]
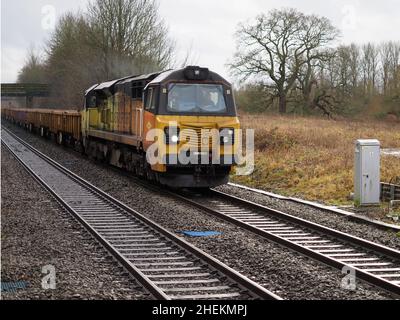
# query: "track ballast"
[[372, 262], [166, 265]]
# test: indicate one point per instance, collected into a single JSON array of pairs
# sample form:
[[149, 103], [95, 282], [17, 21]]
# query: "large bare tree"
[[72, 63], [130, 36], [277, 46]]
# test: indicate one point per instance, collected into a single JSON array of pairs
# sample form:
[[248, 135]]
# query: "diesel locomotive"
[[177, 127]]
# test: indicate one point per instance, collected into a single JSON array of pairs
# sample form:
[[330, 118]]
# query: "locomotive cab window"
[[196, 98], [151, 100], [90, 102]]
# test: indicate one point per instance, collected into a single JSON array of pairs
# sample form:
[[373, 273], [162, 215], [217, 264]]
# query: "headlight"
[[171, 135], [227, 136], [174, 139]]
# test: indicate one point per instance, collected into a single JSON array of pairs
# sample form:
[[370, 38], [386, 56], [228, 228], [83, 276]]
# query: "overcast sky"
[[205, 26]]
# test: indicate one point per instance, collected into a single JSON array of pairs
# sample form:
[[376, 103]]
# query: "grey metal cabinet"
[[367, 172]]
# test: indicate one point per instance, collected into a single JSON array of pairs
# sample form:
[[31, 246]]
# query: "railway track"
[[167, 266], [373, 263]]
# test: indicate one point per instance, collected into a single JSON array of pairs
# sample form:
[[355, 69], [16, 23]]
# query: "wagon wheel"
[[91, 150], [79, 147], [131, 166]]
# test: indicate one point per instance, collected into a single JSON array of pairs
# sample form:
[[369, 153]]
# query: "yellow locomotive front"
[[191, 128]]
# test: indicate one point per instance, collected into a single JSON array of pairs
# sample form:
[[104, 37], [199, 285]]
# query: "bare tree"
[[190, 58], [386, 50], [370, 68], [114, 38], [34, 70], [343, 60], [395, 68], [130, 35], [72, 64], [278, 45], [354, 65]]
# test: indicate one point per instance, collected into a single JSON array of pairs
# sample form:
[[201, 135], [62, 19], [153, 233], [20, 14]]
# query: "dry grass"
[[313, 158]]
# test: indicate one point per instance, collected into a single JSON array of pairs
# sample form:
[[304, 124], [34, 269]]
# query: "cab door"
[[149, 118]]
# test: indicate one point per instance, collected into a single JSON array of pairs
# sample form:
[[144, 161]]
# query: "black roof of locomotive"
[[185, 74], [188, 73], [110, 85], [139, 78]]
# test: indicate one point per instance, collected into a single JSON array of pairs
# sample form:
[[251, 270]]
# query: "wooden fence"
[[390, 191]]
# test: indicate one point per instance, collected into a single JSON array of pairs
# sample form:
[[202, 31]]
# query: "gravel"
[[280, 270], [37, 232], [331, 220]]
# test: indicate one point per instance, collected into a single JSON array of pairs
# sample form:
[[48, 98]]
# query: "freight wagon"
[[63, 126]]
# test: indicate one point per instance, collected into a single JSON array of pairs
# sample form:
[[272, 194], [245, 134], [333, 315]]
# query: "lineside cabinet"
[[367, 172]]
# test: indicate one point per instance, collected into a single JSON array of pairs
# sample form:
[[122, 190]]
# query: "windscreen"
[[196, 98]]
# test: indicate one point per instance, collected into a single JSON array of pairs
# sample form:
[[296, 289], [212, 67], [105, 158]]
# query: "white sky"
[[205, 26]]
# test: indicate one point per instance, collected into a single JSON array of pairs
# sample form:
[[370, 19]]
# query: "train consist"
[[177, 127]]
